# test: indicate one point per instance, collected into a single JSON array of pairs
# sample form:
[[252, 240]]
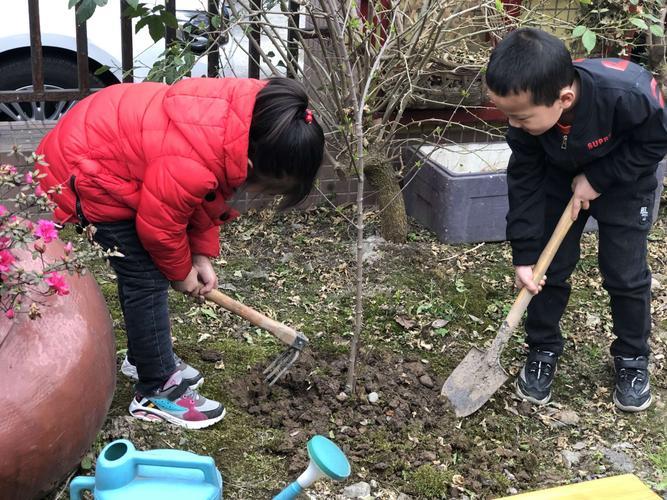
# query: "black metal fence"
[[40, 93]]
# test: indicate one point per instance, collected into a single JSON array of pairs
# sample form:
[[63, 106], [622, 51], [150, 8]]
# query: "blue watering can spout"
[[326, 460], [115, 465]]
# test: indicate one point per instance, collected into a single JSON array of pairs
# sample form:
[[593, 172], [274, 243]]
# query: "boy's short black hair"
[[530, 60], [286, 147]]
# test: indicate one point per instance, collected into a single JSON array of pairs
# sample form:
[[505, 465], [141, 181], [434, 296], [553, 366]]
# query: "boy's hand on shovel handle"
[[523, 277], [583, 194]]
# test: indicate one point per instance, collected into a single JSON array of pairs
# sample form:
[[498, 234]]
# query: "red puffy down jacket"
[[167, 156]]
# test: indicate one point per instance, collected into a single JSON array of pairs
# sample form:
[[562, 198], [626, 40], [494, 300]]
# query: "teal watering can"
[[123, 473]]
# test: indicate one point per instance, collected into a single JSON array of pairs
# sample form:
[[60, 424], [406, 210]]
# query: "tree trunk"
[[393, 219]]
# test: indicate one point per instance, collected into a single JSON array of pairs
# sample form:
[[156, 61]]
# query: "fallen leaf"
[[475, 318], [405, 322], [439, 323]]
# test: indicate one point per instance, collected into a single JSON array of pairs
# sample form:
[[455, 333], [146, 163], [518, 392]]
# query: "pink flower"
[[9, 313], [39, 191], [68, 248], [4, 242], [39, 246], [11, 169], [29, 225], [57, 283], [46, 230], [28, 178], [3, 211], [6, 260]]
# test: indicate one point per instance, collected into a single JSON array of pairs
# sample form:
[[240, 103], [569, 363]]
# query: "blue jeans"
[[142, 290]]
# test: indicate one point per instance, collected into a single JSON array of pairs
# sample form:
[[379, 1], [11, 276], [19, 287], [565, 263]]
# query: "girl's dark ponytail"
[[286, 142]]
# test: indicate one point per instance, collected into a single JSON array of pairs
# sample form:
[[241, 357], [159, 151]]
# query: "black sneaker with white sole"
[[534, 381], [633, 390]]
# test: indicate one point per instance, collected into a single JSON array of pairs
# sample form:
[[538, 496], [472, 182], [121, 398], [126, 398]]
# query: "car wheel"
[[59, 73]]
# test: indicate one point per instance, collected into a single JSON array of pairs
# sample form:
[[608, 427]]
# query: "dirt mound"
[[387, 437]]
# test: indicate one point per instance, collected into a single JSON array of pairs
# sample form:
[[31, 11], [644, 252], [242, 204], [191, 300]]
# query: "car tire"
[[59, 73]]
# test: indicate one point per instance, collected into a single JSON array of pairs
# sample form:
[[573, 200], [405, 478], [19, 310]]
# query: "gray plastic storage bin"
[[460, 191]]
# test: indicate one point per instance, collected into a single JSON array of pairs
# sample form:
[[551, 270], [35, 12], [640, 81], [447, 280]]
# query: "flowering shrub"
[[22, 201]]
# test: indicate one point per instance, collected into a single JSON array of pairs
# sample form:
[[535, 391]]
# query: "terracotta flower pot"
[[57, 378]]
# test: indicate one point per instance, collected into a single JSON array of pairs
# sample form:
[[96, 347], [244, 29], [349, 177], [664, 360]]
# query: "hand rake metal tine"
[[280, 365], [296, 341]]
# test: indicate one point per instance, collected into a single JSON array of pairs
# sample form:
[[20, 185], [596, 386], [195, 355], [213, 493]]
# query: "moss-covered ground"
[[424, 301]]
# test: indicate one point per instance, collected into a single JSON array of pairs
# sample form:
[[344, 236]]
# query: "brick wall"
[[25, 137]]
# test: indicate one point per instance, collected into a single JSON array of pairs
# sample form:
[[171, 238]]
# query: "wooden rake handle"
[[523, 299], [279, 330]]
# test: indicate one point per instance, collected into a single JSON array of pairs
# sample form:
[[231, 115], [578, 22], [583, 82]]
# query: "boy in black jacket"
[[595, 129]]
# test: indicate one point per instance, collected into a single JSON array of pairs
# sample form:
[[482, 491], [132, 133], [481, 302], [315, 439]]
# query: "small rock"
[[426, 381], [374, 484], [256, 275], [619, 460], [288, 256], [415, 367], [210, 356], [622, 446], [342, 397], [373, 397], [580, 445], [655, 284], [567, 417], [525, 408], [357, 490], [570, 458], [512, 490]]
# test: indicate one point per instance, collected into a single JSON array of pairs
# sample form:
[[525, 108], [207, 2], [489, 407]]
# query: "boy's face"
[[532, 118]]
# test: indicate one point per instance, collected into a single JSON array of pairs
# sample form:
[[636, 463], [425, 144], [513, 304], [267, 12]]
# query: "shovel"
[[480, 374], [296, 341]]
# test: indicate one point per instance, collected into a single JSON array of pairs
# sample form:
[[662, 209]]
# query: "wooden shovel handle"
[[521, 303], [283, 332]]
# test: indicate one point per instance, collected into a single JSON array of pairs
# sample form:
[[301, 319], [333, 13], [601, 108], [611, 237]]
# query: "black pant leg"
[[143, 290], [546, 308], [625, 220]]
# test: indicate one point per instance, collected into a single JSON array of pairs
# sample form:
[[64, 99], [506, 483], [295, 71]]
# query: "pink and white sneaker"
[[179, 404]]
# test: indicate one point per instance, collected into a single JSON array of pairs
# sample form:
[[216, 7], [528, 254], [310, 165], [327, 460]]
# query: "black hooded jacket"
[[618, 135]]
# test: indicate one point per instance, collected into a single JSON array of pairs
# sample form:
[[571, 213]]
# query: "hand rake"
[[296, 341]]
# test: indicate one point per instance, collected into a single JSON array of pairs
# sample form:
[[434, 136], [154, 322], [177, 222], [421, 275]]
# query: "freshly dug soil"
[[386, 437]]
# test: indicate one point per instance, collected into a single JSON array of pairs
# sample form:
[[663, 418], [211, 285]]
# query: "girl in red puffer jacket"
[[150, 166]]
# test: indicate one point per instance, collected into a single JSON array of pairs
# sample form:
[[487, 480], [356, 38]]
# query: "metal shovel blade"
[[474, 381]]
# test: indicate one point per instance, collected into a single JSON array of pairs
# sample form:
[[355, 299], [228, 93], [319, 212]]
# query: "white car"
[[104, 49]]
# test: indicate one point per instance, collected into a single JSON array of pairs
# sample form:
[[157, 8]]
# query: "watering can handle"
[[521, 303], [80, 484], [204, 464]]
